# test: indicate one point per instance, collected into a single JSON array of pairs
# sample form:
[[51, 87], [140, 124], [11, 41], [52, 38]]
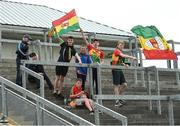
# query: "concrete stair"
[[136, 111]]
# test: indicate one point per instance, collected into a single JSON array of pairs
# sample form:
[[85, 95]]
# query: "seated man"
[[38, 69], [79, 97]]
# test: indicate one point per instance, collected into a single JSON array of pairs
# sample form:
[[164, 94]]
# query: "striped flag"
[[67, 23], [153, 43]]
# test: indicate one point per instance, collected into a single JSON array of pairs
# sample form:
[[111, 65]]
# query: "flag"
[[51, 32], [68, 22], [153, 43]]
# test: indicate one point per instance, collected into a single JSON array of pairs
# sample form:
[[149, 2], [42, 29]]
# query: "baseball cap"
[[27, 36]]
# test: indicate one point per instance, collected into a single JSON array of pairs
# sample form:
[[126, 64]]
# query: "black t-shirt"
[[66, 52]]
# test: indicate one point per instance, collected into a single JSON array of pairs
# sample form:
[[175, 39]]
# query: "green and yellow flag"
[[67, 23], [153, 43]]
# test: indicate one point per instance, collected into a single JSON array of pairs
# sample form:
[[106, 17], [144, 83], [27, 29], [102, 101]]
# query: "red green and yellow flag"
[[67, 23], [153, 43]]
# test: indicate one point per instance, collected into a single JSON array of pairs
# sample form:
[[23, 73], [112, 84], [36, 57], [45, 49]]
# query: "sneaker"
[[91, 113], [54, 92], [122, 101], [118, 104], [60, 96]]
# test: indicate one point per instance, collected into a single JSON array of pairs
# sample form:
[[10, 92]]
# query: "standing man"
[[82, 71], [22, 54], [96, 54], [119, 80], [66, 52]]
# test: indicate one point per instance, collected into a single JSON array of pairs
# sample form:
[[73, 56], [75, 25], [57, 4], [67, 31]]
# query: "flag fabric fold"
[[65, 24], [153, 43]]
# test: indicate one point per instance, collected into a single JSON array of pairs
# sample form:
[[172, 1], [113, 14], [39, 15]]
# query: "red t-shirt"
[[75, 90], [116, 58], [96, 54]]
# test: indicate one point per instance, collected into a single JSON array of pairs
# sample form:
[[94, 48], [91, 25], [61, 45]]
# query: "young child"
[[79, 97], [82, 71]]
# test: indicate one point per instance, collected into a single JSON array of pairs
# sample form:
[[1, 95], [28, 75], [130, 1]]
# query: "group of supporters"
[[67, 51]]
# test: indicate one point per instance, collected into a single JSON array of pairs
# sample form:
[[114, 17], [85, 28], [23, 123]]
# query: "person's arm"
[[23, 48], [76, 95], [102, 57], [127, 56], [83, 36], [78, 58]]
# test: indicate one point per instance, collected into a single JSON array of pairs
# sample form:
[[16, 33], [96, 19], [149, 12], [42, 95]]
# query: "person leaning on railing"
[[38, 69], [22, 54], [119, 81]]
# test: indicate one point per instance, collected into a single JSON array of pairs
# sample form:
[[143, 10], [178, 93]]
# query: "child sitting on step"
[[79, 97]]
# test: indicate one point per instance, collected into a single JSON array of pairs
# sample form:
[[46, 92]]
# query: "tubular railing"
[[34, 74], [169, 98], [39, 102], [89, 66], [110, 112]]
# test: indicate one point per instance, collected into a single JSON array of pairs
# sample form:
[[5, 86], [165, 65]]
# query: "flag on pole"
[[67, 23], [153, 43]]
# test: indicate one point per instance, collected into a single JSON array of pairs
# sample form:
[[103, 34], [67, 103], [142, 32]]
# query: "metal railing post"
[[3, 118], [40, 50], [99, 82], [158, 90], [171, 113], [0, 44], [96, 114], [177, 79], [51, 51], [135, 77], [42, 86], [46, 50], [143, 79], [38, 113], [149, 89], [90, 81]]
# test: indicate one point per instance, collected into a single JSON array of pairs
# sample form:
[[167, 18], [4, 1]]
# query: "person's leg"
[[122, 88], [48, 81], [57, 78], [63, 73], [60, 84], [123, 83], [88, 104], [18, 72]]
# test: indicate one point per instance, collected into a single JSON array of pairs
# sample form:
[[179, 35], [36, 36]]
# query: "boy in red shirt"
[[119, 80], [79, 97], [96, 54]]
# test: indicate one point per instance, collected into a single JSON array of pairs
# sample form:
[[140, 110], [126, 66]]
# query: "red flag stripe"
[[160, 54], [64, 18]]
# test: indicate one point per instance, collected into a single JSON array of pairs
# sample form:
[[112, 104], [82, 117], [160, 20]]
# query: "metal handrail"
[[110, 112], [34, 74], [169, 98], [39, 100]]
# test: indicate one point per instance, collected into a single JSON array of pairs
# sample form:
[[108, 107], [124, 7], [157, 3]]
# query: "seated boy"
[[38, 69], [79, 97]]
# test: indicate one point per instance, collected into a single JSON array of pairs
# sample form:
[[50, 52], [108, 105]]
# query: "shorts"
[[61, 70], [118, 77], [79, 101]]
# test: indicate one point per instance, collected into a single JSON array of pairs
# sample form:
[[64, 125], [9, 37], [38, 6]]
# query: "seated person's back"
[[38, 69]]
